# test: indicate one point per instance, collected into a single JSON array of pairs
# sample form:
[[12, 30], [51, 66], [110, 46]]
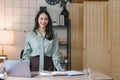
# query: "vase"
[[66, 16]]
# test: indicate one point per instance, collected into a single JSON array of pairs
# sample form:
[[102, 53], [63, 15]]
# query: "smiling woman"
[[42, 45]]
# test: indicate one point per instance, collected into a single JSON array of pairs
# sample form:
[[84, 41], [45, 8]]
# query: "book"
[[61, 73]]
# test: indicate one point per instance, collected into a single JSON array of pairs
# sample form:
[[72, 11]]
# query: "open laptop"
[[17, 68]]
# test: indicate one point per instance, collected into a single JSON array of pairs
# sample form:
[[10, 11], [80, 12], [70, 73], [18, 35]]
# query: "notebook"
[[17, 68]]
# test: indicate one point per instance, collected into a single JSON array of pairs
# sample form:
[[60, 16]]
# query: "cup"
[[85, 71]]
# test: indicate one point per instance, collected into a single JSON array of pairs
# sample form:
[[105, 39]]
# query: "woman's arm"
[[27, 49]]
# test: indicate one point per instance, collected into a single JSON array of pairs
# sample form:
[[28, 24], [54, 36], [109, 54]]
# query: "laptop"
[[17, 68]]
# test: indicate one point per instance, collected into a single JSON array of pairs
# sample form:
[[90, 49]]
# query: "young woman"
[[41, 46]]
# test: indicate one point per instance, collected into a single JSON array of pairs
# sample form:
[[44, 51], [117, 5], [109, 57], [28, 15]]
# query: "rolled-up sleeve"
[[56, 54], [27, 49]]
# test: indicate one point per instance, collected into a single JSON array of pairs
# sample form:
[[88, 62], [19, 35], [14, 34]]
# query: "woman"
[[42, 44]]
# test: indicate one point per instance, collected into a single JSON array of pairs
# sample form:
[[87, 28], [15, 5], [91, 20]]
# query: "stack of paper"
[[53, 73]]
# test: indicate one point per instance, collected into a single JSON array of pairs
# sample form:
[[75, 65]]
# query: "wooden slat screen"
[[76, 16], [96, 36], [114, 24]]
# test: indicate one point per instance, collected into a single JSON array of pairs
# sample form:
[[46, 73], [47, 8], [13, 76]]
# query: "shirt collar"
[[38, 33]]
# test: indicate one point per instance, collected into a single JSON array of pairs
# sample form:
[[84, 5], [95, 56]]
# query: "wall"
[[18, 15]]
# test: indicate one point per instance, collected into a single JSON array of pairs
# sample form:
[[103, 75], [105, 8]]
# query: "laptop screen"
[[17, 68]]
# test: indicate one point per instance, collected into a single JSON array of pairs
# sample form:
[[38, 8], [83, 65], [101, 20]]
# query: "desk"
[[95, 76]]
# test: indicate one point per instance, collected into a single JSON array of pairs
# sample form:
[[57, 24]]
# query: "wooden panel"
[[114, 24], [96, 36], [81, 1], [76, 16]]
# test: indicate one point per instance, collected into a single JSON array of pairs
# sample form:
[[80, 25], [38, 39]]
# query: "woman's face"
[[43, 20]]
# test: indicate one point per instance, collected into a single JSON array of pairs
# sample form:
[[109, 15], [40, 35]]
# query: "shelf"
[[58, 26], [63, 44], [66, 43], [64, 63], [62, 41]]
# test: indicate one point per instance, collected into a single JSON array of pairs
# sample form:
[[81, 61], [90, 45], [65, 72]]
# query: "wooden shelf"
[[65, 42]]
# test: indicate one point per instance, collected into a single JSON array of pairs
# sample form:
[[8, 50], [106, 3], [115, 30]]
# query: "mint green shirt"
[[35, 45]]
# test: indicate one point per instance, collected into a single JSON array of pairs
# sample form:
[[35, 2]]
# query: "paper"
[[45, 73], [61, 73], [53, 73], [74, 73], [58, 73]]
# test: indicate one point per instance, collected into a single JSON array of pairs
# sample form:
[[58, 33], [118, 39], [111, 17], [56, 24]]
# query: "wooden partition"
[[96, 40], [81, 1], [114, 24], [95, 36], [76, 16]]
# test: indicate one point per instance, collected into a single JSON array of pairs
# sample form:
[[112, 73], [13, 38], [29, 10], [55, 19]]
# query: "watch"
[[52, 2]]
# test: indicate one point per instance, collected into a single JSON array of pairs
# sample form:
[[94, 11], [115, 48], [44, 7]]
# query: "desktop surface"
[[95, 76]]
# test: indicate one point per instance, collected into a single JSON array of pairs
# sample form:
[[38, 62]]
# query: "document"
[[61, 73], [52, 73], [74, 73]]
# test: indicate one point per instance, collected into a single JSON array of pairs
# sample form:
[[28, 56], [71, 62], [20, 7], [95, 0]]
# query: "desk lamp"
[[6, 38]]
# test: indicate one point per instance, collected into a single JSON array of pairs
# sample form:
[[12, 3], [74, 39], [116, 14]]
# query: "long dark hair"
[[49, 31]]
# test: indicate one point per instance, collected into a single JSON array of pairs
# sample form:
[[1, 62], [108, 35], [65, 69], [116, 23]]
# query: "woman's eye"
[[46, 18], [41, 18]]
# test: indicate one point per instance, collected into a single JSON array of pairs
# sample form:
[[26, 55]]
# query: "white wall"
[[18, 15]]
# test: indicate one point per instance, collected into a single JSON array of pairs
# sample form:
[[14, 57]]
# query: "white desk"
[[95, 76], [100, 76]]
